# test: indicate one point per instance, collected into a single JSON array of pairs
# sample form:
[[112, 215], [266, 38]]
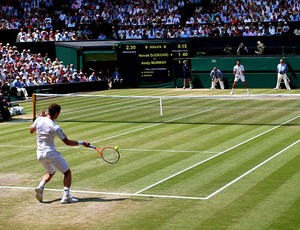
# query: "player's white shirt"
[[238, 70], [46, 130]]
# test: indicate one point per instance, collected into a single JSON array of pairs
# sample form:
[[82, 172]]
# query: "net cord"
[[253, 96]]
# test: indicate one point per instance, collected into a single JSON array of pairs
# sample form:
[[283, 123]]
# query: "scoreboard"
[[151, 61]]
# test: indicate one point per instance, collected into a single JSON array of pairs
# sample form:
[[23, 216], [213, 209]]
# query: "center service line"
[[150, 126]]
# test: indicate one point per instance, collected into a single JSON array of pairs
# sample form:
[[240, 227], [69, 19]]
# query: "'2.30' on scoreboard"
[[148, 62]]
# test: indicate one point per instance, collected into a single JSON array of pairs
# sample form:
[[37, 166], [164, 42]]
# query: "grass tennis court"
[[215, 162]]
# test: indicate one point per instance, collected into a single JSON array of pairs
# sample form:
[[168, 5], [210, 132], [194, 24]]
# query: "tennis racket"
[[110, 155]]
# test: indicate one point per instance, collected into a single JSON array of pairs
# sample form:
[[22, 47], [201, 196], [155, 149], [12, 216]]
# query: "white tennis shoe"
[[68, 199], [39, 194]]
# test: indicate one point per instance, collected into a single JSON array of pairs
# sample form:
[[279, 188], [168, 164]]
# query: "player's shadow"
[[89, 199], [51, 201], [97, 199]]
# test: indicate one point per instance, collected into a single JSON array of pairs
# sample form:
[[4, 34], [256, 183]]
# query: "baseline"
[[108, 193]]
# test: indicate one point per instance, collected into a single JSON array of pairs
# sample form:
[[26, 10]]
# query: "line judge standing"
[[186, 72], [216, 76], [282, 69]]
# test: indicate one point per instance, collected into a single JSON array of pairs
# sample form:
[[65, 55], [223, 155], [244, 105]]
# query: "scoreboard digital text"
[[152, 61]]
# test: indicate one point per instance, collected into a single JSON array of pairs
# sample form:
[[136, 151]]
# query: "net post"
[[33, 106], [161, 106]]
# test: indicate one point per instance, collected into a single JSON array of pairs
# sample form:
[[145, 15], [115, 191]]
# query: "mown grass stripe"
[[255, 195]]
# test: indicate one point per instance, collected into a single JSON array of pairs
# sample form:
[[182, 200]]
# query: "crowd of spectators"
[[67, 20], [70, 20], [19, 69], [49, 20]]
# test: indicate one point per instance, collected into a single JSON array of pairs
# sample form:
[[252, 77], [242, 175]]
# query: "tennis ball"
[[116, 147]]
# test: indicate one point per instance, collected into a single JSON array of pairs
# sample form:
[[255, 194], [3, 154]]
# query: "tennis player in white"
[[238, 71], [46, 130]]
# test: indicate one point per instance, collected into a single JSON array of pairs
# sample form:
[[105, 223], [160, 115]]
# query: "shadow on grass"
[[94, 199]]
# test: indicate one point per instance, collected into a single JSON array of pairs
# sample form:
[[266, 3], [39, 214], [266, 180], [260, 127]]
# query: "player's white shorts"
[[239, 77], [52, 160]]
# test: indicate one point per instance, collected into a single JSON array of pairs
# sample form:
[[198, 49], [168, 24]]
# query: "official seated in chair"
[[21, 91]]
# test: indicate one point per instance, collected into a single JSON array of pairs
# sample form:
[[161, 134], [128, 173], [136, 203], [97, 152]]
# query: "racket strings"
[[110, 155]]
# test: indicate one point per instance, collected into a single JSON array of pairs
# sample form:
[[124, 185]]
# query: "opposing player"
[[46, 130], [238, 71]]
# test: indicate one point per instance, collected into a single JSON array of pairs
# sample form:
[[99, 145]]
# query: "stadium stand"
[[86, 19], [66, 20]]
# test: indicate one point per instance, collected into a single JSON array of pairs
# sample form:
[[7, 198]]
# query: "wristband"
[[80, 142]]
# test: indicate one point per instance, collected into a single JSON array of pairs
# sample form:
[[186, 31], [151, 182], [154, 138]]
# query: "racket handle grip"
[[91, 146]]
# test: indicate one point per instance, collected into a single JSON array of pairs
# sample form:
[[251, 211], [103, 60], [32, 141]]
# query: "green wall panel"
[[68, 56]]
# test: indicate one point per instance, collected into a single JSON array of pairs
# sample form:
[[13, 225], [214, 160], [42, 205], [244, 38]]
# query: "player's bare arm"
[[67, 141]]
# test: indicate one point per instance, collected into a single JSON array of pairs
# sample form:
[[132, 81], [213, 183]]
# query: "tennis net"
[[248, 110]]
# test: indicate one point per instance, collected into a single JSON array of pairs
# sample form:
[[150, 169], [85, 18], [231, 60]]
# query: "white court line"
[[165, 196], [167, 150], [108, 193], [128, 194], [251, 170], [182, 197], [34, 146], [89, 109], [151, 126], [122, 134], [132, 150], [15, 130], [103, 111], [74, 117], [212, 157]]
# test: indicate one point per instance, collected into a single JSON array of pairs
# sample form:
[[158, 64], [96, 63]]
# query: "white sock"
[[41, 185], [248, 91], [66, 191]]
